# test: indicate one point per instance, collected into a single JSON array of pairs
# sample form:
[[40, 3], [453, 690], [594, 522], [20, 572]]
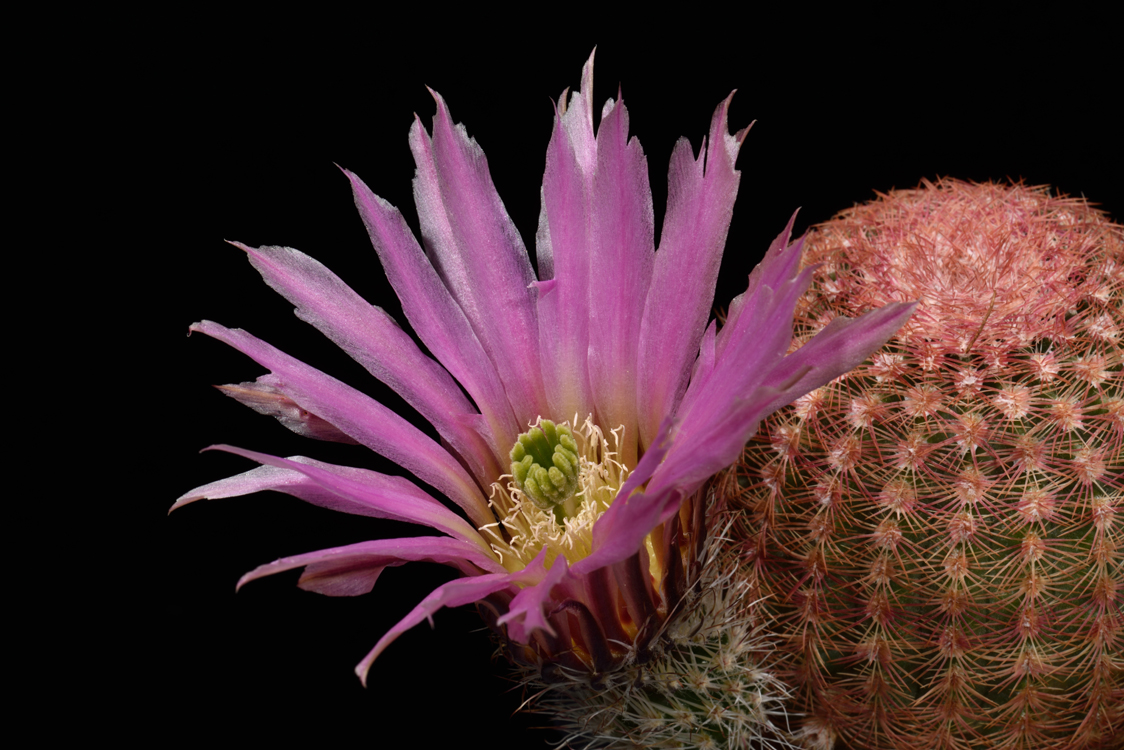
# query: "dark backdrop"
[[232, 133]]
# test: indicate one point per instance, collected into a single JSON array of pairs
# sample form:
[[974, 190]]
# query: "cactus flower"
[[580, 411]]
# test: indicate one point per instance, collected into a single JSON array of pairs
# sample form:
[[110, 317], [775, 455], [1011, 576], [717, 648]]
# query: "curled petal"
[[361, 418], [525, 613], [270, 401]]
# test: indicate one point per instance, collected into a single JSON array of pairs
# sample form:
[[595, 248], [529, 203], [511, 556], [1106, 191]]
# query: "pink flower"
[[599, 400]]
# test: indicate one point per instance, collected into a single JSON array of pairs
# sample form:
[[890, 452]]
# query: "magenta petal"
[[433, 313], [341, 488], [620, 531], [374, 340], [361, 418], [353, 570], [452, 594], [700, 205], [525, 612], [841, 346], [479, 255]]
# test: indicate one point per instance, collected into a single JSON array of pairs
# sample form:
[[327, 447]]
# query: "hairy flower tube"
[[580, 411]]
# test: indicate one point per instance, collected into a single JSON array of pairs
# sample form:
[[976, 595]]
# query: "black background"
[[232, 132]]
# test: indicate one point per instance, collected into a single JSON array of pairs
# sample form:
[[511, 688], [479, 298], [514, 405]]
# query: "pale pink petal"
[[270, 401], [433, 313], [563, 299], [374, 340], [479, 255], [341, 488], [361, 418], [700, 205], [353, 570]]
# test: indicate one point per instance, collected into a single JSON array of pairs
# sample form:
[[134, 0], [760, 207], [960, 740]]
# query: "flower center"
[[562, 480], [544, 465]]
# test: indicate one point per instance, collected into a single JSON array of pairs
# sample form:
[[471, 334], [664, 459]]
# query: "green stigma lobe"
[[544, 464]]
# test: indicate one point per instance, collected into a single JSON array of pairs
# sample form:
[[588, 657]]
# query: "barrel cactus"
[[936, 536]]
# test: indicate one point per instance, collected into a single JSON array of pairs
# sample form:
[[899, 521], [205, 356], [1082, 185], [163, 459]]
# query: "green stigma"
[[544, 464]]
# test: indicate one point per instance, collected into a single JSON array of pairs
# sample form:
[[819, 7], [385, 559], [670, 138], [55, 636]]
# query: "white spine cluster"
[[704, 684]]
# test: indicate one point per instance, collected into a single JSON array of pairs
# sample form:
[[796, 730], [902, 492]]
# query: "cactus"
[[937, 535]]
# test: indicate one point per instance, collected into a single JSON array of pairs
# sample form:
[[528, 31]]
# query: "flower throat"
[[562, 480]]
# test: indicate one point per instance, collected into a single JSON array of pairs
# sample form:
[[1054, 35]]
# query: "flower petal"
[[452, 594], [621, 264], [353, 570], [620, 531], [563, 249], [479, 255], [841, 346], [374, 340], [433, 313], [341, 488], [751, 377], [525, 612], [268, 400], [361, 418], [700, 205]]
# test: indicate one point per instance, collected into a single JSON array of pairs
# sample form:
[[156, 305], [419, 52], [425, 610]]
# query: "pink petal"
[[433, 313], [374, 340], [341, 488], [751, 377], [479, 255], [563, 245], [353, 570], [621, 265], [361, 418], [699, 208]]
